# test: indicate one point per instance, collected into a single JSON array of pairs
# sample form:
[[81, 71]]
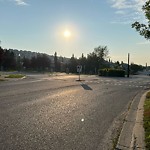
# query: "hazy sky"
[[39, 25]]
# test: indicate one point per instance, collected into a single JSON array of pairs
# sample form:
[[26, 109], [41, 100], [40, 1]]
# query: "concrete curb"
[[132, 135], [138, 135]]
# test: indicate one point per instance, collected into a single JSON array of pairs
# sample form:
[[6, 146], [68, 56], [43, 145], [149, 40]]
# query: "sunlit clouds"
[[21, 2], [128, 11], [16, 2], [127, 4]]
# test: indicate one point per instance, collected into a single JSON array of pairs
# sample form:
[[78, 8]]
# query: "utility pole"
[[128, 71]]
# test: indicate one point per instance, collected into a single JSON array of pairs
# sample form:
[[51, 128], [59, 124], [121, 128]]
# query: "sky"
[[39, 26]]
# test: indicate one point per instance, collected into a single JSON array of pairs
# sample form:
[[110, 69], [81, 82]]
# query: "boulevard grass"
[[147, 121], [15, 76]]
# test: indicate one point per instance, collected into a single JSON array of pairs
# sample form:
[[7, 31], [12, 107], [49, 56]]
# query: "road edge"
[[138, 135], [132, 135]]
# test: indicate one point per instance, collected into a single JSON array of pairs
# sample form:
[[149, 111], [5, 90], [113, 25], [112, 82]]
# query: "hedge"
[[111, 72]]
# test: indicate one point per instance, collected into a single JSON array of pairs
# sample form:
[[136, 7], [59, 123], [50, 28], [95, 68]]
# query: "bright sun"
[[67, 33]]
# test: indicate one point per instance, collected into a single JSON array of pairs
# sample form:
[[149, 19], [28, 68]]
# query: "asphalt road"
[[60, 113]]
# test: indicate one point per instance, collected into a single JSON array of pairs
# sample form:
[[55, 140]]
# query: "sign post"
[[79, 70]]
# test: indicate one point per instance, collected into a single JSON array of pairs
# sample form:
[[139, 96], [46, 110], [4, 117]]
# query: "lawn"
[[15, 76], [147, 120]]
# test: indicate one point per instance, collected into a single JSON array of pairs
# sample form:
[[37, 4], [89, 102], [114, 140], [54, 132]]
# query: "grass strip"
[[15, 76], [147, 121]]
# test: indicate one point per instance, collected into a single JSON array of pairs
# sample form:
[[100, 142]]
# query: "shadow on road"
[[86, 87]]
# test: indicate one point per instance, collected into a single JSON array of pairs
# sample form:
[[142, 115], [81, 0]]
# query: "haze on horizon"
[[74, 27]]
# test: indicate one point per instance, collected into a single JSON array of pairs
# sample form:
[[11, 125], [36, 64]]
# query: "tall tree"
[[144, 29], [83, 63], [33, 63], [9, 61], [55, 62], [92, 63], [101, 53], [1, 57], [73, 64], [26, 63], [39, 63]]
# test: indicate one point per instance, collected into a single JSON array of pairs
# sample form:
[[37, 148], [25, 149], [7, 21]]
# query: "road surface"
[[60, 113]]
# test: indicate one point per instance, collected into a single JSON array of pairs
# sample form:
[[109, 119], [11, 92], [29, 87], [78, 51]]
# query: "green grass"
[[15, 76], [148, 95], [147, 121]]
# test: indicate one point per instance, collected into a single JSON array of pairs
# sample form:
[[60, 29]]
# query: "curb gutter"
[[132, 135], [138, 134]]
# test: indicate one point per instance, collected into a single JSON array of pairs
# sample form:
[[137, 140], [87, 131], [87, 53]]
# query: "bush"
[[15, 76], [148, 95], [111, 72]]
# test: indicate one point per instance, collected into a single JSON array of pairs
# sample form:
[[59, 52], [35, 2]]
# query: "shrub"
[[148, 95], [111, 72], [15, 76]]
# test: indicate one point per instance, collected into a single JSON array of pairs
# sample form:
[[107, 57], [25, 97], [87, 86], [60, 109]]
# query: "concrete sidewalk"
[[132, 135]]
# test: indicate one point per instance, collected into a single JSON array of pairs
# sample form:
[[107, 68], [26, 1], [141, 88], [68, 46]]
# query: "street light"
[[128, 71]]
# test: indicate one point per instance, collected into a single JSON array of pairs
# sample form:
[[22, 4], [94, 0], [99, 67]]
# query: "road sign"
[[79, 68]]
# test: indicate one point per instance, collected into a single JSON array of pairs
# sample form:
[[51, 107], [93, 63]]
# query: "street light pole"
[[128, 71]]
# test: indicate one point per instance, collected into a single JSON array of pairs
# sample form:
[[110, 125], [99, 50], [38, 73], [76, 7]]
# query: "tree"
[[73, 64], [144, 29], [55, 62], [92, 63], [9, 62], [83, 63], [33, 63], [96, 59], [26, 63], [1, 57], [40, 63], [117, 65], [101, 53], [135, 68]]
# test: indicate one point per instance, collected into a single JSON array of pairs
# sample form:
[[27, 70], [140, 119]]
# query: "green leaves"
[[144, 30]]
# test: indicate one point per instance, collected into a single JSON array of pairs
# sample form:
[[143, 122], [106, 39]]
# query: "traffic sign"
[[79, 68]]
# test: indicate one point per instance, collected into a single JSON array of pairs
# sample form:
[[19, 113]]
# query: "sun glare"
[[67, 33]]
